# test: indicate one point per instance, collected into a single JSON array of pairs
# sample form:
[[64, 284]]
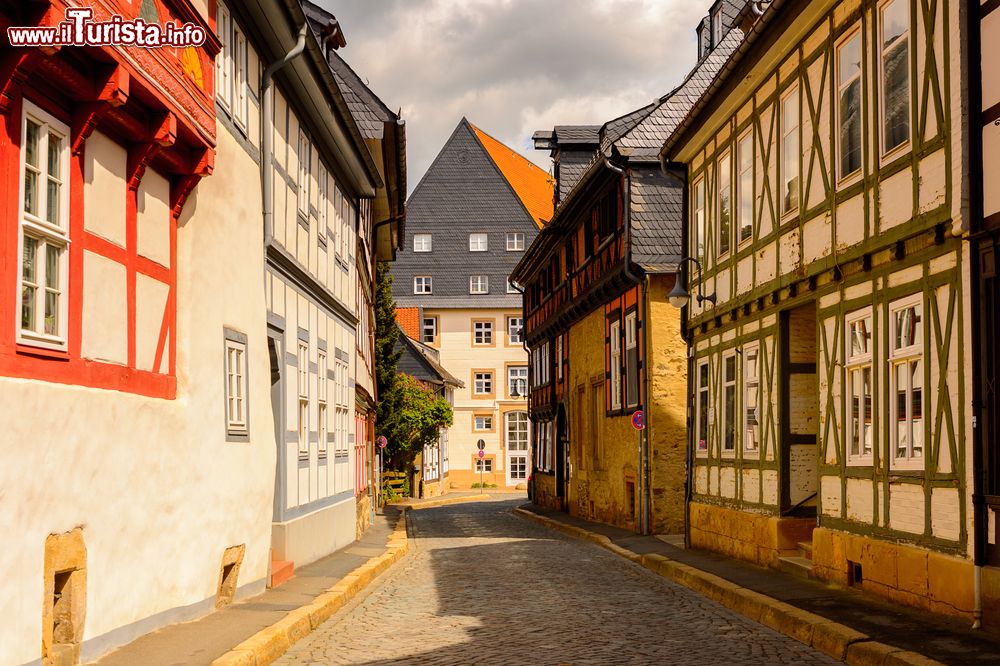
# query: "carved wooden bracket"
[[183, 185], [164, 135], [112, 92], [13, 74]]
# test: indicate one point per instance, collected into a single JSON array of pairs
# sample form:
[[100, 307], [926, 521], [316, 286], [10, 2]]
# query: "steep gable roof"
[[532, 185]]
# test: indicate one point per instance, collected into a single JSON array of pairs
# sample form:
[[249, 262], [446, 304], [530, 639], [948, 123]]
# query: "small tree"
[[417, 422]]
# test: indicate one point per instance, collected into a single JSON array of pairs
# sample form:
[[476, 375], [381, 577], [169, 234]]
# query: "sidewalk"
[[940, 638], [461, 496], [202, 641]]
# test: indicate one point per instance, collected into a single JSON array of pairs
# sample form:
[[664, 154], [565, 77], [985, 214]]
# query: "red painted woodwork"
[[143, 99]]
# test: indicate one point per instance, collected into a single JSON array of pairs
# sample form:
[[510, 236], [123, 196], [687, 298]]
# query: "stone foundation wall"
[[545, 491], [902, 573], [753, 537], [364, 515]]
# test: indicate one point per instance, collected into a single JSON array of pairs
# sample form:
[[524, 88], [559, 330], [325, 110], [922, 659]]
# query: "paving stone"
[[483, 586]]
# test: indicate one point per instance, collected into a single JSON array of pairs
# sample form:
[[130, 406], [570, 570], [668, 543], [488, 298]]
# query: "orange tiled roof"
[[409, 321], [532, 185]]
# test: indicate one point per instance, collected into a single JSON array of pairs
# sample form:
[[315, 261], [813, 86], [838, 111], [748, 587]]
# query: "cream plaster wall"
[[105, 322], [104, 177], [460, 357], [157, 490]]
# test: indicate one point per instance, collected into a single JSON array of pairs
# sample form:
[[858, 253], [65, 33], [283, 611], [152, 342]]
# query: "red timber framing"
[[158, 105]]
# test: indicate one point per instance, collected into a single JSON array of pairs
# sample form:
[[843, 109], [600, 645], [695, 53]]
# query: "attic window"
[[717, 28]]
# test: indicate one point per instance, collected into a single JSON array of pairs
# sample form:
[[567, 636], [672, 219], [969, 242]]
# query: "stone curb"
[[444, 501], [835, 639], [270, 643]]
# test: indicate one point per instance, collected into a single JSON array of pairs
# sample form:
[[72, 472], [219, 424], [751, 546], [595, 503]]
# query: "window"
[[321, 393], [725, 180], [745, 184], [478, 243], [429, 332], [517, 431], [517, 378], [751, 399], [223, 61], [717, 28], [483, 383], [43, 288], [236, 383], [514, 325], [515, 242], [343, 397], [791, 151], [483, 423], [518, 467], [540, 365], [906, 375], [895, 60], [511, 289], [482, 332], [702, 443], [559, 358], [849, 106], [698, 243], [543, 450], [596, 434], [423, 242], [479, 284], [484, 465], [616, 365], [304, 156], [322, 200], [632, 359], [303, 376], [859, 386], [423, 284], [729, 403]]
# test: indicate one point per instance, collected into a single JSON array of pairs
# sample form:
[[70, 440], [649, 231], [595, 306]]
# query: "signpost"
[[639, 423], [481, 445], [381, 441], [639, 420]]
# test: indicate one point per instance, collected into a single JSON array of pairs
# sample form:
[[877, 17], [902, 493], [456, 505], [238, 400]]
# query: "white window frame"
[[485, 380], [512, 423], [482, 333], [790, 131], [479, 284], [859, 363], [903, 41], [841, 86], [479, 242], [514, 326], [305, 164], [303, 399], [746, 165], [724, 176], [702, 445], [698, 222], [729, 384], [46, 234], [321, 400], [515, 241], [482, 423], [241, 107], [432, 328], [632, 343], [236, 387], [484, 465], [423, 284], [223, 66], [904, 356], [615, 337], [751, 394], [423, 243], [717, 28], [518, 373], [559, 358]]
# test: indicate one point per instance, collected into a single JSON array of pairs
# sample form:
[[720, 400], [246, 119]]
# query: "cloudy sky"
[[515, 66]]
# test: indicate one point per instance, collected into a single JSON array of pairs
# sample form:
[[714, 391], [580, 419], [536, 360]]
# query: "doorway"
[[799, 461]]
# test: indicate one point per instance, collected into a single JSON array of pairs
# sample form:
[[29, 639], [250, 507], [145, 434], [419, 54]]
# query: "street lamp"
[[679, 296], [515, 390]]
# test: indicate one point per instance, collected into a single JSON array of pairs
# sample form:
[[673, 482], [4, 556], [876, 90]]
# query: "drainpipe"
[[643, 282], [267, 131]]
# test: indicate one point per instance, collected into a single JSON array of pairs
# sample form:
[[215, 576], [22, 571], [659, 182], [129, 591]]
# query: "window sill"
[[37, 349]]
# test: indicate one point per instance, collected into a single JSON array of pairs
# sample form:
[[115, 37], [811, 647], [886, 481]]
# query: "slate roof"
[[466, 191], [657, 214], [423, 362], [576, 134], [531, 184]]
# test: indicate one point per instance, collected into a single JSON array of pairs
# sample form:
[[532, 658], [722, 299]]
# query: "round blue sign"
[[381, 441], [639, 420]]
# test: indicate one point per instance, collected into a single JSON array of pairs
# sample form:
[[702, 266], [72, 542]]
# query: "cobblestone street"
[[483, 586]]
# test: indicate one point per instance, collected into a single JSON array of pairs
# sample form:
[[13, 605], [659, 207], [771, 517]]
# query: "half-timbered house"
[[831, 361], [606, 350]]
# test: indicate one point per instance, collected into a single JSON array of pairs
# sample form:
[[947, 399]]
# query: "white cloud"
[[515, 66]]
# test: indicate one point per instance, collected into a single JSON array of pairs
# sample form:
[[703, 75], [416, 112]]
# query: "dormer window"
[[704, 43], [716, 28]]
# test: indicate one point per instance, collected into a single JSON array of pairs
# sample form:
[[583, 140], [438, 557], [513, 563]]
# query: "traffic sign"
[[482, 454], [481, 445], [639, 420], [381, 441]]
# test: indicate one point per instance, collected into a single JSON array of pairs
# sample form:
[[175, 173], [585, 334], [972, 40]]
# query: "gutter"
[[267, 130]]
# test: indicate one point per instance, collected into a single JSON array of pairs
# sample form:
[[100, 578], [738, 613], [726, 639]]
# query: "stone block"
[[911, 570], [869, 653], [878, 560], [950, 582], [834, 638]]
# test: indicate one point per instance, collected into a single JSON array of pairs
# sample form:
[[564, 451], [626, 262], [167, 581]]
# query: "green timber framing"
[[869, 264]]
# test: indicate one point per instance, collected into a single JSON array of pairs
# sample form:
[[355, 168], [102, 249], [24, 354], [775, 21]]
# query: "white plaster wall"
[[153, 218], [104, 177], [906, 507], [158, 491], [105, 317], [150, 309]]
